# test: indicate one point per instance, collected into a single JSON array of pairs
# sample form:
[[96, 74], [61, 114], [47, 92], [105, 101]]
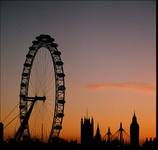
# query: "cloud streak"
[[138, 86]]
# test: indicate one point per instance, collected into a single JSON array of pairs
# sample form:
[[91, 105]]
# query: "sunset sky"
[[109, 54]]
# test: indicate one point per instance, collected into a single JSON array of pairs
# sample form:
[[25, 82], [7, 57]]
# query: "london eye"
[[42, 91]]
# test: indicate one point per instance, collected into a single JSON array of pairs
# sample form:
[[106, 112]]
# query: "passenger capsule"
[[60, 115], [27, 65], [57, 53], [25, 74], [62, 88], [22, 106], [32, 48], [22, 96], [58, 127], [45, 36], [29, 56], [61, 101], [35, 42], [61, 75], [55, 45], [23, 84], [47, 40], [59, 63]]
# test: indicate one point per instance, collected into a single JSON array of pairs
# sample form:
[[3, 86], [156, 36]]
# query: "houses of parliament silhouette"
[[88, 137], [116, 140]]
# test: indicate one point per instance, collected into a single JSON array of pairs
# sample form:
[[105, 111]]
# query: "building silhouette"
[[97, 137], [87, 130], [134, 132], [1, 132]]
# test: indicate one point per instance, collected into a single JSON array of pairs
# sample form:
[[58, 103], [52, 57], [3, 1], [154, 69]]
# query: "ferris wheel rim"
[[47, 42]]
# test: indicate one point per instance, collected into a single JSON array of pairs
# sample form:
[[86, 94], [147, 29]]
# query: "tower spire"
[[97, 137], [87, 113], [134, 132]]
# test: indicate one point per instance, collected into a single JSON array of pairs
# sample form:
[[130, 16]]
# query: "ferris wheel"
[[43, 64]]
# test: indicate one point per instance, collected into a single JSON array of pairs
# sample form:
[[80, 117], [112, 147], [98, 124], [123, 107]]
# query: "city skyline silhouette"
[[109, 54]]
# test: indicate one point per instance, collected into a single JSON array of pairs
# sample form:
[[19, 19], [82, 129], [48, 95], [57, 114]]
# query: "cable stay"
[[11, 120], [108, 136], [118, 136], [7, 116], [120, 133]]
